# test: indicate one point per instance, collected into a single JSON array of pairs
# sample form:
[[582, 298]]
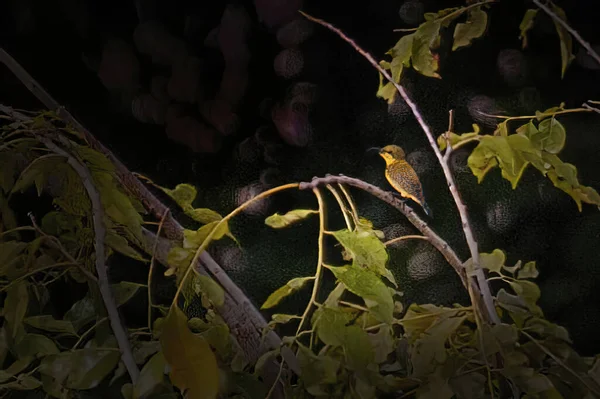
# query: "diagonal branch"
[[572, 31], [462, 209]]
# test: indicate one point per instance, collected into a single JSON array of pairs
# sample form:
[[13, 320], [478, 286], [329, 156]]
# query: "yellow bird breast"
[[404, 179]]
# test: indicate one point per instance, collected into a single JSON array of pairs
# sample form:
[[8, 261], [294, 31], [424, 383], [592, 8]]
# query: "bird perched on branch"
[[401, 176]]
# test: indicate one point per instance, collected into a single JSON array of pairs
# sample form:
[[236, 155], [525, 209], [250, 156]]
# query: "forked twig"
[[477, 272]]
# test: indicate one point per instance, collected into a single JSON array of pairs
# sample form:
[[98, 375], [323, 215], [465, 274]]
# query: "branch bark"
[[477, 271]]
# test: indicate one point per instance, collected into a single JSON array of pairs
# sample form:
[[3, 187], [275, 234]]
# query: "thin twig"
[[386, 196], [572, 31], [594, 109], [402, 238], [341, 205], [101, 268], [162, 220], [319, 271], [351, 202], [477, 271]]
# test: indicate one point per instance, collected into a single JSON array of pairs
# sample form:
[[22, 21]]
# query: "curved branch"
[[462, 209], [100, 254], [412, 217]]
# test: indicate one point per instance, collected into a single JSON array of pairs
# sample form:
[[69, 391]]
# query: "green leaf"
[[94, 159], [124, 291], [279, 318], [368, 286], [81, 313], [183, 195], [526, 25], [426, 38], [401, 54], [291, 286], [23, 382], [143, 349], [38, 169], [456, 139], [209, 287], [35, 345], [437, 387], [383, 343], [566, 42], [278, 221], [554, 135], [80, 369], [17, 367], [332, 327], [317, 371], [203, 215], [493, 261], [474, 28], [469, 386], [49, 323], [15, 307], [10, 253], [152, 377], [119, 243], [530, 292], [194, 239], [366, 250], [528, 271], [193, 364]]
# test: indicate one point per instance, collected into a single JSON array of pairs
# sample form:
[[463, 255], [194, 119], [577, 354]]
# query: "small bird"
[[401, 176]]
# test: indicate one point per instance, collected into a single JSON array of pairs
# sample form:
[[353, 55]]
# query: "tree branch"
[[572, 31], [245, 321], [101, 268], [462, 209]]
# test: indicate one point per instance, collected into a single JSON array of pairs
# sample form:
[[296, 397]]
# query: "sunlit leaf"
[[528, 271], [278, 221], [368, 286], [193, 239], [203, 215], [183, 194], [554, 135], [193, 364], [401, 54], [291, 286], [455, 139], [474, 28], [526, 25], [493, 261], [366, 250]]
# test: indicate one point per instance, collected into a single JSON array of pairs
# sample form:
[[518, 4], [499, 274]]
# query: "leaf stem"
[[403, 238], [319, 270], [151, 270]]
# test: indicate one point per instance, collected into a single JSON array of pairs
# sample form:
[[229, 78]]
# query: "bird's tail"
[[427, 210]]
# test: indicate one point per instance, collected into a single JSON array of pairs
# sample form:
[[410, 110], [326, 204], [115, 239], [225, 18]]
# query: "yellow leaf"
[[193, 364]]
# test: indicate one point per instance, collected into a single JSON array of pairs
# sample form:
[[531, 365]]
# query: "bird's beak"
[[374, 149]]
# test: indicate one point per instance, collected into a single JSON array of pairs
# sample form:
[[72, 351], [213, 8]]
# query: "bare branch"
[[462, 209], [572, 31]]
